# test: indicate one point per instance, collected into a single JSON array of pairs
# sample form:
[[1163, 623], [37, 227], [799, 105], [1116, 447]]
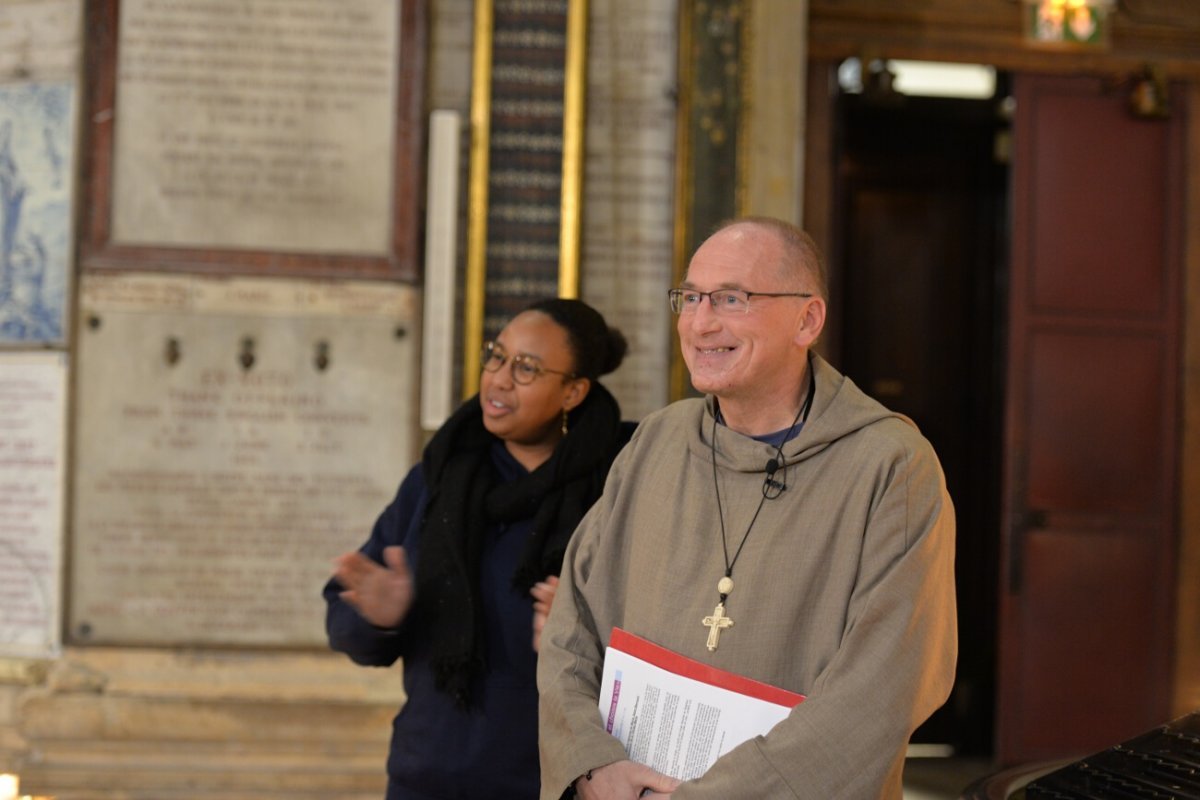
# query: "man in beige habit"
[[786, 527]]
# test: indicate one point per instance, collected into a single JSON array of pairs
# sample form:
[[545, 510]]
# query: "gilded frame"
[[574, 109], [711, 125]]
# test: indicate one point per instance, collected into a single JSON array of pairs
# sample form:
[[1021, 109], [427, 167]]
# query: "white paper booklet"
[[678, 715]]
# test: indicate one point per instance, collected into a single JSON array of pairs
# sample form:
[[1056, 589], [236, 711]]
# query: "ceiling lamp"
[[1069, 23]]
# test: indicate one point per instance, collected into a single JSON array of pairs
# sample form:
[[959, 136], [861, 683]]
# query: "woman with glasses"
[[460, 569]]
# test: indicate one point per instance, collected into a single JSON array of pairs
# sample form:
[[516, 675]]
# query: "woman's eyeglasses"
[[525, 369]]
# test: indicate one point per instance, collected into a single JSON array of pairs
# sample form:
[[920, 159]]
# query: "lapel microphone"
[[771, 487]]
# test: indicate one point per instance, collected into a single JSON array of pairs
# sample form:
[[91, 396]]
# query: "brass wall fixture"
[[246, 356], [1148, 98], [321, 356], [172, 351]]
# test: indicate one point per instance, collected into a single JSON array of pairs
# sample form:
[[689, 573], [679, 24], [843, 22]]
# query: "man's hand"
[[543, 597], [624, 780], [382, 595]]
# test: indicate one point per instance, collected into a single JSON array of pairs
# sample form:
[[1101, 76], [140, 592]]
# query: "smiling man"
[[785, 527]]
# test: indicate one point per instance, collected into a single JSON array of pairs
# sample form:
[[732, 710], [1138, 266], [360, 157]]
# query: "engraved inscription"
[[212, 497], [32, 388], [257, 123]]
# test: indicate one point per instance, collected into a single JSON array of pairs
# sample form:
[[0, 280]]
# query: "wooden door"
[[1092, 421]]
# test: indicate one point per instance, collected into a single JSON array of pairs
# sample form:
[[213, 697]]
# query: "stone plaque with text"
[[629, 190], [32, 424], [256, 124], [233, 436]]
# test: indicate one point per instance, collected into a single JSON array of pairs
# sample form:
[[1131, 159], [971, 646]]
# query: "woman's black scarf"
[[465, 501]]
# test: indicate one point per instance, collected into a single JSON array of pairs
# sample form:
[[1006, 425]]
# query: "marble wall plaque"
[[628, 209], [234, 435], [256, 124], [39, 38], [32, 421]]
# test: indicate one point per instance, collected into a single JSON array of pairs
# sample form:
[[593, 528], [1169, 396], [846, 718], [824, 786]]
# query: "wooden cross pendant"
[[716, 623]]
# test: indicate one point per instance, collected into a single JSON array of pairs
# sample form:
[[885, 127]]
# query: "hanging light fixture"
[[1070, 23]]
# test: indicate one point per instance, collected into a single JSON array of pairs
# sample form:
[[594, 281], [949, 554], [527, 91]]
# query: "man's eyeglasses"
[[525, 369], [724, 301]]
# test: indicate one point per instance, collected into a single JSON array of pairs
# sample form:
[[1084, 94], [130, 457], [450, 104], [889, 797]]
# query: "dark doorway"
[[918, 277]]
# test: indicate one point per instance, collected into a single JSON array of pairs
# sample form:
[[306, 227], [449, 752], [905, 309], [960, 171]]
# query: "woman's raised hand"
[[382, 595]]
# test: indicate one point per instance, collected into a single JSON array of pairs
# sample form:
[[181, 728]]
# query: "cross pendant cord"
[[717, 621], [721, 512]]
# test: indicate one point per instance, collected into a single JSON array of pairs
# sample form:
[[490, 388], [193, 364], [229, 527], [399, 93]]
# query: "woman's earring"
[[564, 425]]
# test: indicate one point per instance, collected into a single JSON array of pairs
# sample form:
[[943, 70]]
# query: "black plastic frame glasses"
[[525, 369], [723, 301]]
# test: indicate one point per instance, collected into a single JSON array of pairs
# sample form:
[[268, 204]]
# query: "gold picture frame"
[[574, 109]]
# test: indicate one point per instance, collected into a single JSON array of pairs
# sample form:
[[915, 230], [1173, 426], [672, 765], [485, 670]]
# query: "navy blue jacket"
[[439, 751]]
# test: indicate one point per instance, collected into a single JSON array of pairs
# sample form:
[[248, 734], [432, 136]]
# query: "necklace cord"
[[712, 445], [721, 512], [771, 488]]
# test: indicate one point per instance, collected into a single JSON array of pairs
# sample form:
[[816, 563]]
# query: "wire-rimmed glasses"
[[525, 368], [724, 301]]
